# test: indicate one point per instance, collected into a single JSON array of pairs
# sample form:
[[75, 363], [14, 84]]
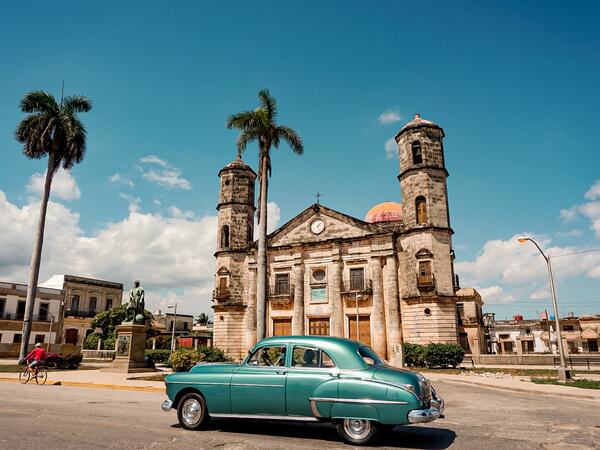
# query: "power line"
[[576, 253]]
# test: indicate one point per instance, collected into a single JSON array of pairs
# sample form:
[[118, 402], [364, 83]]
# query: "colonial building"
[[383, 280], [83, 299]]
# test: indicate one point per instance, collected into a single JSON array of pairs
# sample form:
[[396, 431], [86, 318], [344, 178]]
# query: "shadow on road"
[[408, 437]]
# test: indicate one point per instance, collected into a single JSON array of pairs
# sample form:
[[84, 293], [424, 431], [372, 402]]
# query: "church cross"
[[319, 195]]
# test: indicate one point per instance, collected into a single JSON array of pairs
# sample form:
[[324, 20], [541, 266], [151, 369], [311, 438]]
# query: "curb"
[[96, 385], [522, 390]]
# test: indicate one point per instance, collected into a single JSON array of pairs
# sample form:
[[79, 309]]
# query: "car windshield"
[[369, 356]]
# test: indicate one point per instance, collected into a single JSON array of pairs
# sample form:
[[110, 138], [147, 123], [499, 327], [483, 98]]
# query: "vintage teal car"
[[306, 378]]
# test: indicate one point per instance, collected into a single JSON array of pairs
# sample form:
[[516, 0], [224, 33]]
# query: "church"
[[385, 280]]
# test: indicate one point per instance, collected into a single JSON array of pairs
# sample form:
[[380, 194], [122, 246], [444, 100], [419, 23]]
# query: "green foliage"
[[202, 319], [414, 355], [184, 359], [584, 384], [161, 343], [159, 355], [91, 342], [108, 321], [65, 362], [433, 355]]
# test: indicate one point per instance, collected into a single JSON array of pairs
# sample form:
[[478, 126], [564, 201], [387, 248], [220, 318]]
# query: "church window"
[[417, 155], [421, 208], [225, 236], [282, 284], [318, 274], [318, 326], [357, 279], [425, 276]]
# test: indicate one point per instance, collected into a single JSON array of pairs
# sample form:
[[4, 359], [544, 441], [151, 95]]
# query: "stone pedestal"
[[130, 347]]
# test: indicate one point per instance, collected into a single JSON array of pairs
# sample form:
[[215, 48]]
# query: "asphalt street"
[[49, 417]]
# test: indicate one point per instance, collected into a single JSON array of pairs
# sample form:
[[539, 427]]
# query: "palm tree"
[[260, 126], [54, 130]]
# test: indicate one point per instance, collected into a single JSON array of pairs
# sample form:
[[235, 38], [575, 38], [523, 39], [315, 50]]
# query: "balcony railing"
[[221, 293], [20, 317], [281, 290], [79, 313], [425, 281], [355, 285]]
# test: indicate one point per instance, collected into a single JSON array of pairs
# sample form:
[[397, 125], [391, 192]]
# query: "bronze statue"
[[135, 309]]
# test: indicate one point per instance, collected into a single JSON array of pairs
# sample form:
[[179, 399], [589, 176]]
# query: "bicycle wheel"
[[41, 376], [24, 375]]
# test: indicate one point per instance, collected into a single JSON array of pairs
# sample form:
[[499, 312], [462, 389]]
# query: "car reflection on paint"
[[306, 378]]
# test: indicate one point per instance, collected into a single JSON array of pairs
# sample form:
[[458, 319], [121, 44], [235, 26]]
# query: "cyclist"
[[38, 355]]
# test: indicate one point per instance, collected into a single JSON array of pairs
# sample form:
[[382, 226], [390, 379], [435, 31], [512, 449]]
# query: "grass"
[[157, 377], [515, 372], [583, 384]]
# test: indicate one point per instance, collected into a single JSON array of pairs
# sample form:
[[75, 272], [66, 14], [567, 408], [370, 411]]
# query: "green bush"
[[184, 359], [91, 342], [159, 355], [414, 355], [444, 355], [64, 362], [433, 355]]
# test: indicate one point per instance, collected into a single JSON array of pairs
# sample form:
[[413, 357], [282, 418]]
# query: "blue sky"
[[513, 84]]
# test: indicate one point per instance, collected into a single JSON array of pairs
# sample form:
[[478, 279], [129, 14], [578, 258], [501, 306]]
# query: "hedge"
[[433, 355], [64, 362], [184, 359], [158, 355]]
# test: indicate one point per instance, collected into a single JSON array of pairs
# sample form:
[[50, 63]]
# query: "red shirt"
[[39, 354]]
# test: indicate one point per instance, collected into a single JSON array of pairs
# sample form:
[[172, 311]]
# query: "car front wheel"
[[357, 431], [192, 412]]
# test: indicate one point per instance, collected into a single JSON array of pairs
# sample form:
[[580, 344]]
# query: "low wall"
[[524, 360], [12, 350], [107, 355]]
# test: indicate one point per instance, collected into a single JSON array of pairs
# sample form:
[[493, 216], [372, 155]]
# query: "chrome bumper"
[[167, 405], [435, 411]]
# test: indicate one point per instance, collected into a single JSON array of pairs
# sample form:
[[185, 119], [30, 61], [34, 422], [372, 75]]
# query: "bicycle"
[[39, 373]]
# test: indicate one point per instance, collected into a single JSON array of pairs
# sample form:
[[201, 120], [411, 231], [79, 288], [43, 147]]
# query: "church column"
[[298, 318], [251, 310], [378, 329], [392, 312], [335, 296]]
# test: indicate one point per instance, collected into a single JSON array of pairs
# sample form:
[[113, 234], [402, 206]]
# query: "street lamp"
[[357, 297], [563, 373], [174, 323], [50, 331]]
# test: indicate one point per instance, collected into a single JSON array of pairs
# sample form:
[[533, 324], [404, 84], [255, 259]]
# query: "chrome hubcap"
[[191, 412], [357, 428]]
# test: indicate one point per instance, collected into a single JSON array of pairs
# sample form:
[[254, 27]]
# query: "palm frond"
[[35, 132], [291, 137], [75, 145], [241, 121], [268, 103], [245, 137], [77, 103], [39, 102]]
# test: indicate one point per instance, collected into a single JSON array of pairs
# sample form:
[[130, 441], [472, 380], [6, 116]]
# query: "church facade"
[[384, 280]]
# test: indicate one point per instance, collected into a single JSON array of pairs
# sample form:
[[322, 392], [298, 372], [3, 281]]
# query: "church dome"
[[384, 212], [417, 122], [238, 164]]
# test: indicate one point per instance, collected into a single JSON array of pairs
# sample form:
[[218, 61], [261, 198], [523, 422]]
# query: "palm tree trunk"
[[261, 278], [35, 260]]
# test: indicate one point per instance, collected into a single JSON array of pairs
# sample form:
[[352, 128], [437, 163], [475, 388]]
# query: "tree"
[[107, 322], [202, 319], [260, 126], [54, 130]]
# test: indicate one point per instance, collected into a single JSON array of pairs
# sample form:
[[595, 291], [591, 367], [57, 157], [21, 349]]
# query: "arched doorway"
[[71, 336]]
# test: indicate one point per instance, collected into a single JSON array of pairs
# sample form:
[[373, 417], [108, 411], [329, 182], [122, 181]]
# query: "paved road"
[[48, 417]]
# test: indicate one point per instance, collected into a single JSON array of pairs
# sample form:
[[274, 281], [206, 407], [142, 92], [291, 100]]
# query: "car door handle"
[[281, 372]]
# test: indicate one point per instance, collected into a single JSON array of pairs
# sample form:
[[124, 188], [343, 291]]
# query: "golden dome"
[[384, 212]]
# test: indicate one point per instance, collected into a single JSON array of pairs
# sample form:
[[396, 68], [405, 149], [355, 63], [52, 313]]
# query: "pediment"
[[336, 226], [223, 271]]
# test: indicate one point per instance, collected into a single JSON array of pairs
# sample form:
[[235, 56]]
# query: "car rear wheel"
[[357, 431], [192, 412]]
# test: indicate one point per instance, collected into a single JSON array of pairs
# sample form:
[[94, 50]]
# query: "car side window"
[[268, 356], [310, 357]]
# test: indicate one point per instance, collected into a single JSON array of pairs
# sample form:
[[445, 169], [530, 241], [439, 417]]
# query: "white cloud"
[[391, 148], [571, 233], [540, 294], [568, 214], [495, 295], [172, 255], [121, 179], [389, 116], [134, 202], [64, 185], [273, 218], [594, 192], [166, 175]]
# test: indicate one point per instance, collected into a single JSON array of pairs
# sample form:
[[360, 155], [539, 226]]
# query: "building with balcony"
[[383, 280], [47, 318]]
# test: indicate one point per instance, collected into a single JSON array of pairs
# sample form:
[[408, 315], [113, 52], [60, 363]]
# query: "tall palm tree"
[[54, 130], [260, 126]]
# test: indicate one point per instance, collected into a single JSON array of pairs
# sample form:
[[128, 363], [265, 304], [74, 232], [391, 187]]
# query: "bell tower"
[[428, 292], [235, 231]]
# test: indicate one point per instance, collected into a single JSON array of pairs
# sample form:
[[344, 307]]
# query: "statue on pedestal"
[[135, 310]]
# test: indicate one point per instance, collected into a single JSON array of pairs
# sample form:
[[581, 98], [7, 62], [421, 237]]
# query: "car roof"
[[342, 350]]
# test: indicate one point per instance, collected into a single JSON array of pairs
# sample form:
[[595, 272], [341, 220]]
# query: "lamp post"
[[563, 373], [50, 331], [357, 297], [173, 324]]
